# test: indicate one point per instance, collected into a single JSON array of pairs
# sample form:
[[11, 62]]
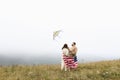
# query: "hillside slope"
[[104, 70]]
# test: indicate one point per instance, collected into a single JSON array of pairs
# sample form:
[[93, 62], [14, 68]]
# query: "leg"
[[65, 67], [75, 58], [62, 64]]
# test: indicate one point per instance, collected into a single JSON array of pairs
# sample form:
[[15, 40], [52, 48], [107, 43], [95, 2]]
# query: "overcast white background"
[[26, 27]]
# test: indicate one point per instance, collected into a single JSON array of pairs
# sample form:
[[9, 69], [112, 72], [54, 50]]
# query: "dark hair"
[[65, 46], [74, 43]]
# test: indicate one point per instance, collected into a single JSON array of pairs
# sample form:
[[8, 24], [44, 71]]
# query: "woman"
[[65, 51]]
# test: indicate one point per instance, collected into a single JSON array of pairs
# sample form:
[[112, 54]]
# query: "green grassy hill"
[[104, 70]]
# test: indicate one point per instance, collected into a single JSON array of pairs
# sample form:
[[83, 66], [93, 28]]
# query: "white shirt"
[[65, 51]]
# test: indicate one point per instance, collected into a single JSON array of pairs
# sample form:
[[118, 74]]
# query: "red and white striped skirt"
[[69, 61]]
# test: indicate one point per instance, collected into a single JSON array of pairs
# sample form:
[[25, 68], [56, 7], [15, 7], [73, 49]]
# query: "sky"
[[27, 26]]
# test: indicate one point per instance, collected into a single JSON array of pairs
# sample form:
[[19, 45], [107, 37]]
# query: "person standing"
[[65, 51], [73, 51]]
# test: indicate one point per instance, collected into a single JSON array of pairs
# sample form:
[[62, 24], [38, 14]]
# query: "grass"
[[104, 70]]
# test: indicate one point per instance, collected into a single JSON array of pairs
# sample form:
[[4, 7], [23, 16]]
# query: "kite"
[[56, 33]]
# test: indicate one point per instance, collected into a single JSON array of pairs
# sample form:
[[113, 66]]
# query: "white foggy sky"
[[27, 26]]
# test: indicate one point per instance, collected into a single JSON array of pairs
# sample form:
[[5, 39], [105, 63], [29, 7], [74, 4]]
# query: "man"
[[73, 51]]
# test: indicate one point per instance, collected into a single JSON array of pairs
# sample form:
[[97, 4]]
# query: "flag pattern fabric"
[[70, 62]]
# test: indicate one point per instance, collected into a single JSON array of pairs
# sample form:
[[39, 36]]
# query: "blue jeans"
[[75, 58]]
